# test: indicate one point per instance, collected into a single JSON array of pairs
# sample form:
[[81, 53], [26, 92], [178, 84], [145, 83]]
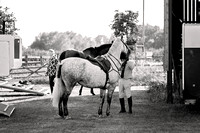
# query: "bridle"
[[110, 57], [126, 45]]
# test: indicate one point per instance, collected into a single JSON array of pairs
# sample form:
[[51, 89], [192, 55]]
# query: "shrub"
[[157, 91]]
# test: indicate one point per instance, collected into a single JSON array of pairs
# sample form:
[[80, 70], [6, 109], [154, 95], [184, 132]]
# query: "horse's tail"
[[59, 88]]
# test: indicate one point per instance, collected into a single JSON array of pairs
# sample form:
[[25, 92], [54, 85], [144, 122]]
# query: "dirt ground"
[[38, 116]]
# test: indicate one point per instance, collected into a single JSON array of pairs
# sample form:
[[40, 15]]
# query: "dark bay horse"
[[77, 70], [91, 51]]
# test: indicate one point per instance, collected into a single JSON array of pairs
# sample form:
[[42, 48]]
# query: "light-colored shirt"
[[128, 69]]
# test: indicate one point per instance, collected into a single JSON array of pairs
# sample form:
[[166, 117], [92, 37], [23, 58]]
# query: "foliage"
[[158, 92], [61, 41], [101, 39], [146, 72], [154, 36], [34, 52], [46, 41], [157, 54], [125, 24], [8, 19]]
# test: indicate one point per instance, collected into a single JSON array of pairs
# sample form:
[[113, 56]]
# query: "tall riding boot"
[[123, 110], [130, 104]]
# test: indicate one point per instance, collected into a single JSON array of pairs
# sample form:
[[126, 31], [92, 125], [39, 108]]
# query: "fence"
[[32, 66], [34, 60], [145, 71]]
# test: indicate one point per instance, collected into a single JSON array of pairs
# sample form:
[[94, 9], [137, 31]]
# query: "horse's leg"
[[92, 91], [65, 109], [60, 107], [80, 91], [102, 98], [109, 99]]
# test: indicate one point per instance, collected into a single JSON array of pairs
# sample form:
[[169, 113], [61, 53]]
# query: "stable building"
[[10, 53], [182, 48]]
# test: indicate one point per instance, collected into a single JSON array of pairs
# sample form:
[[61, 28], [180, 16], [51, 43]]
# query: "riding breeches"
[[124, 88]]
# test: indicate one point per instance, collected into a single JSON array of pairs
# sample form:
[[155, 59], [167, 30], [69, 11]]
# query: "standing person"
[[125, 82], [51, 68]]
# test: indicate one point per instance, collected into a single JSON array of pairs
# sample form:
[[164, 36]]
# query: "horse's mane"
[[70, 53], [103, 49], [104, 46], [92, 51], [97, 51]]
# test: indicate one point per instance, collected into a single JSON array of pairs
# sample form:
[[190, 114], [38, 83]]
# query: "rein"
[[113, 61], [126, 45]]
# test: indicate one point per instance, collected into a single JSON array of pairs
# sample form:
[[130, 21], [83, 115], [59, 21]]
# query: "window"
[[16, 48]]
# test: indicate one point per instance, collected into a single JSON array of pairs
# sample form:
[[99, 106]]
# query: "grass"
[[38, 116]]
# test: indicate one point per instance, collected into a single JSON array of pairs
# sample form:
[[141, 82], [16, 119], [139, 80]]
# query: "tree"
[[40, 42], [154, 36], [125, 24], [61, 41], [101, 39], [7, 21]]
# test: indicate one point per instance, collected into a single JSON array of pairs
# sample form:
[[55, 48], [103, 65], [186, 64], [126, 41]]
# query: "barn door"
[[4, 59], [191, 61]]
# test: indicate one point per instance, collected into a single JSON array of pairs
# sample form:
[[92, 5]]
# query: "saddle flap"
[[104, 62]]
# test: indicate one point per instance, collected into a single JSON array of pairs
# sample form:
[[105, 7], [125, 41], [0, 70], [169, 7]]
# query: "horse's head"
[[118, 47]]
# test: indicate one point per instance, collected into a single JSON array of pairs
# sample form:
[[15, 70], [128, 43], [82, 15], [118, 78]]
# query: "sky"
[[86, 17]]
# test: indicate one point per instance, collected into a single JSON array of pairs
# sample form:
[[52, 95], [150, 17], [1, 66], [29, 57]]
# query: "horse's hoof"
[[57, 117], [107, 114], [100, 112], [100, 116], [67, 117]]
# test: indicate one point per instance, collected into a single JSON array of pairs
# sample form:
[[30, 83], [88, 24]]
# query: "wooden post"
[[4, 27], [169, 72], [21, 90], [41, 60], [26, 60]]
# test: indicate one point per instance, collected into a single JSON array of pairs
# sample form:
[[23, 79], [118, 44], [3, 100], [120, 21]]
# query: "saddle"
[[103, 63]]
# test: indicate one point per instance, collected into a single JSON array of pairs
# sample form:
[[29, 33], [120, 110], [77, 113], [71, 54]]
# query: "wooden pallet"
[[6, 109], [20, 89], [2, 99]]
